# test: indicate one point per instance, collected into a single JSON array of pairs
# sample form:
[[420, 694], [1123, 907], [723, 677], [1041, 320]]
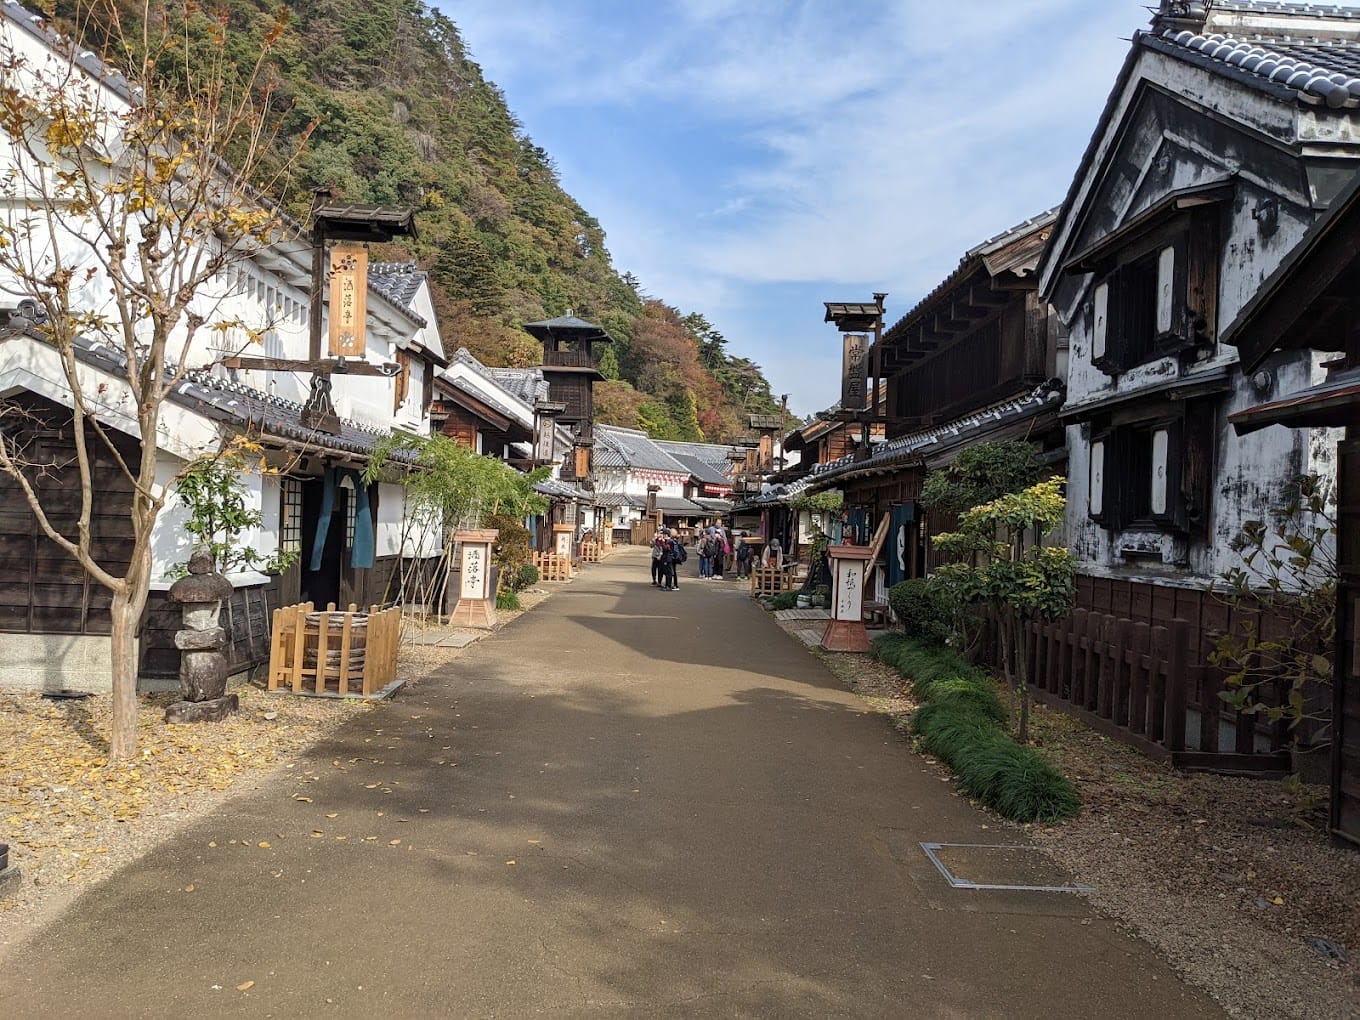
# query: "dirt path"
[[629, 802]]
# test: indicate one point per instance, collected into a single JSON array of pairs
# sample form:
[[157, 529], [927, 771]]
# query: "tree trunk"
[[126, 615], [1022, 679]]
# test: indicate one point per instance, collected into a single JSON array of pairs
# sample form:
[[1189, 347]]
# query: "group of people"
[[668, 552], [714, 547]]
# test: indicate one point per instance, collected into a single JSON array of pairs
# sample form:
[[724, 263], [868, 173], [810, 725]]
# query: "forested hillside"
[[399, 113]]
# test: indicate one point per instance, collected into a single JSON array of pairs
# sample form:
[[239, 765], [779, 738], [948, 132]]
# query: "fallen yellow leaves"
[[61, 802]]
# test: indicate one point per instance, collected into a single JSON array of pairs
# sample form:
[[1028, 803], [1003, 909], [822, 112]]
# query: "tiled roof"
[[713, 454], [941, 437], [628, 448], [399, 282], [1319, 72], [678, 505], [244, 407], [526, 383], [971, 261], [714, 506], [704, 472], [555, 488]]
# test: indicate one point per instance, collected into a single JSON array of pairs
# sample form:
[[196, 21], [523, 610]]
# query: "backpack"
[[680, 554], [706, 548]]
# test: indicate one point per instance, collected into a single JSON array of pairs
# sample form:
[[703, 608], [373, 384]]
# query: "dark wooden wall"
[[246, 617], [43, 590]]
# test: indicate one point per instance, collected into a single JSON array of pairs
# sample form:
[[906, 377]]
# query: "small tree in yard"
[[1004, 564], [119, 222], [450, 487], [1288, 572]]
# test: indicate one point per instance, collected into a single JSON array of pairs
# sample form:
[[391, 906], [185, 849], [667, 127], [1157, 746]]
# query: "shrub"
[[922, 662], [508, 600], [1032, 790], [948, 731], [924, 608], [785, 600], [527, 577], [971, 694], [959, 723], [512, 552]]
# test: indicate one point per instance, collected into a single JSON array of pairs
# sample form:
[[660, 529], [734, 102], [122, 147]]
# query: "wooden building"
[[1224, 139], [349, 534], [1312, 302], [980, 358]]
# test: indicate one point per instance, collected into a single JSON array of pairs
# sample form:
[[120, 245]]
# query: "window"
[[402, 381], [1137, 477], [1159, 296], [290, 516]]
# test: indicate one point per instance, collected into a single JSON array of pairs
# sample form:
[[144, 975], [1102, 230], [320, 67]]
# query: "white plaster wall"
[[1249, 471], [35, 662]]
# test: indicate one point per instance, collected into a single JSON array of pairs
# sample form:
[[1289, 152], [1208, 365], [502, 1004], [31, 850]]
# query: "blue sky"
[[750, 159]]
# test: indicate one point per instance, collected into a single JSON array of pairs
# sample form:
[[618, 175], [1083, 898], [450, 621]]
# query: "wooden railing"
[[594, 552], [552, 567], [1146, 686], [771, 580], [341, 654]]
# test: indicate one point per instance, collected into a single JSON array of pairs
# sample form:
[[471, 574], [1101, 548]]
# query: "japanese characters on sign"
[[474, 572], [849, 597], [349, 299], [854, 373]]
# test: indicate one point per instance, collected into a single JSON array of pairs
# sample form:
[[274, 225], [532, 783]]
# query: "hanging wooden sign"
[[854, 373], [349, 300]]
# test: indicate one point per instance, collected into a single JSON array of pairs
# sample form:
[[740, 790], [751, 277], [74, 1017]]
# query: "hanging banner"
[[899, 543], [349, 300], [854, 373], [547, 435]]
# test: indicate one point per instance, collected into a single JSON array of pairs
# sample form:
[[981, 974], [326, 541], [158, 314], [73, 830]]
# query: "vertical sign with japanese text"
[[854, 373], [349, 300]]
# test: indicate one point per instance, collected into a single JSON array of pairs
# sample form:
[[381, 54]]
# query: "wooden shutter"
[[1168, 460], [1100, 323], [1096, 480]]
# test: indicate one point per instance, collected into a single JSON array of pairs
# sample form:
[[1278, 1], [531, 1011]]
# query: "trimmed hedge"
[[960, 722], [923, 608]]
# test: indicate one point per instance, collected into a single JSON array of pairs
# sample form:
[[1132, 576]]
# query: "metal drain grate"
[[1011, 868]]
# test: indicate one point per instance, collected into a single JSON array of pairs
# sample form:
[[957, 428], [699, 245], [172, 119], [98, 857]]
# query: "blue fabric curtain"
[[361, 555], [899, 542], [323, 523]]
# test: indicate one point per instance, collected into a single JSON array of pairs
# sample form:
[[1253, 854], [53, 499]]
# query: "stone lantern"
[[202, 666]]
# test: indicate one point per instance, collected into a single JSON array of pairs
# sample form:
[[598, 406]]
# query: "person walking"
[[705, 546], [743, 557], [656, 560], [721, 550]]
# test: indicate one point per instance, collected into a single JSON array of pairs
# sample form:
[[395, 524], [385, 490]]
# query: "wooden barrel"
[[334, 624]]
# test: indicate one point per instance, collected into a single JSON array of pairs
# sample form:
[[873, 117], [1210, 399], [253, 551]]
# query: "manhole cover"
[[982, 866]]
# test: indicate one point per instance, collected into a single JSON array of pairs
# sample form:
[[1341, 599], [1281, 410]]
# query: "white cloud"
[[875, 141]]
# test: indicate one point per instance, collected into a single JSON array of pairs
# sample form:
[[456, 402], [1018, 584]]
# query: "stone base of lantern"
[[845, 636], [203, 711], [473, 613]]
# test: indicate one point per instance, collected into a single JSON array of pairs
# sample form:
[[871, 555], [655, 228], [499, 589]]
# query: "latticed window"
[[351, 515], [290, 519]]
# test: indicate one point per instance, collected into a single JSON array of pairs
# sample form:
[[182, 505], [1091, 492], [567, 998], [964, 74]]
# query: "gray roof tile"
[[1318, 72]]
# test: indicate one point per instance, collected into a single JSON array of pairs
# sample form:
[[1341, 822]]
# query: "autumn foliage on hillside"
[[396, 111]]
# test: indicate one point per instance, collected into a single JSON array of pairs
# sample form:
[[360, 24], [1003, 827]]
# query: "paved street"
[[628, 802]]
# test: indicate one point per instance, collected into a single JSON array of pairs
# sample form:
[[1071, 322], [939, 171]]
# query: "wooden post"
[[1177, 675]]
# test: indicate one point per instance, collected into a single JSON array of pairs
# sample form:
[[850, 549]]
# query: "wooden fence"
[[772, 580], [594, 552], [552, 567], [1146, 685], [342, 654]]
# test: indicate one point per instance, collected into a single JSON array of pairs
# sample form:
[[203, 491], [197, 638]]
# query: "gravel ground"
[[1232, 880], [71, 820]]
